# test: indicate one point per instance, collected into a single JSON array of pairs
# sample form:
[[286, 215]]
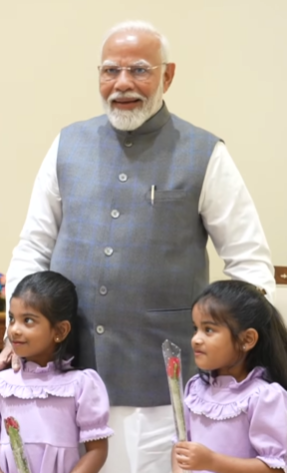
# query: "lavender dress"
[[55, 411], [243, 420]]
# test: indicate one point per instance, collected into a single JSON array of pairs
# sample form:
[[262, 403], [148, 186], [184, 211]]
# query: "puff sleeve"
[[92, 408], [268, 425]]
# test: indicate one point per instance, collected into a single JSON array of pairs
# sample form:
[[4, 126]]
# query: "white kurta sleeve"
[[39, 234], [230, 218]]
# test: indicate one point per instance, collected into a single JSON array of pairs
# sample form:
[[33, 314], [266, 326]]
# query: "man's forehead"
[[132, 43]]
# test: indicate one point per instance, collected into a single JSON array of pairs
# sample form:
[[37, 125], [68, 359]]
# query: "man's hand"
[[193, 456], [7, 358]]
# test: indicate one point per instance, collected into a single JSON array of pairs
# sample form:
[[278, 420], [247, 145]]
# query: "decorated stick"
[[172, 358], [12, 429]]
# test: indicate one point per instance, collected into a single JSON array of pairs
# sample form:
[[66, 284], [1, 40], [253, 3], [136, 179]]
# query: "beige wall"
[[231, 79]]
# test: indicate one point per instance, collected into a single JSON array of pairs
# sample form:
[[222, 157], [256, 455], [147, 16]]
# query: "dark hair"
[[56, 298], [239, 306]]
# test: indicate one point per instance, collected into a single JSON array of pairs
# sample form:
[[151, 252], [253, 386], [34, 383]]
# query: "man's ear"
[[168, 75]]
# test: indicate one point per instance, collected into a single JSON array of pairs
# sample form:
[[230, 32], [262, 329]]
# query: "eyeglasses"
[[141, 73]]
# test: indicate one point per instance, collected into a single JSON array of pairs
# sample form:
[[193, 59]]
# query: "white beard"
[[129, 120]]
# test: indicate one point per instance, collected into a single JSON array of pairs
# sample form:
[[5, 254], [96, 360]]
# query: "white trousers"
[[142, 442]]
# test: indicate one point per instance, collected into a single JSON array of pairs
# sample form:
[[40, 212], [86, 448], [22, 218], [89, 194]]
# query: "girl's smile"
[[198, 353], [30, 333]]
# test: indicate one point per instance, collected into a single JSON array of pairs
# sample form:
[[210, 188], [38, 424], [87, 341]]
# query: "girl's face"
[[213, 346], [30, 333]]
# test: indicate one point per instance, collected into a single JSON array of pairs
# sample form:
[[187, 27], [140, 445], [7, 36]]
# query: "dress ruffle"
[[95, 434], [274, 463], [31, 367], [215, 411], [27, 388], [37, 392], [199, 404]]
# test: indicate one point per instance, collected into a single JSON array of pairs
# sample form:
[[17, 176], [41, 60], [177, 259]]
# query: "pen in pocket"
[[152, 194]]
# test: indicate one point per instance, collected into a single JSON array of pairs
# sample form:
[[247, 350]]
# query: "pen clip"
[[152, 194]]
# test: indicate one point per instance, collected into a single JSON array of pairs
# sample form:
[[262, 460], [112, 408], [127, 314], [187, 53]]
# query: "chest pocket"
[[171, 217]]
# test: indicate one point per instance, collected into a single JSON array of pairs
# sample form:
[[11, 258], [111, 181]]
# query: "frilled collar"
[[154, 123], [230, 381], [31, 367]]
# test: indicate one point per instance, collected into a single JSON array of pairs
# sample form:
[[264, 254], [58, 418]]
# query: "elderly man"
[[123, 205]]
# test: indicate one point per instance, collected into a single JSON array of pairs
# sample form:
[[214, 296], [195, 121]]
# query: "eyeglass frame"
[[129, 68]]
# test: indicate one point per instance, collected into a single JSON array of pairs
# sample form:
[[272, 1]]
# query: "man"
[[123, 205]]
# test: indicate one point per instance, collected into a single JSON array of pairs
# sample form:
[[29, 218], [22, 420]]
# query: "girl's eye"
[[29, 321], [194, 328], [209, 330], [11, 319]]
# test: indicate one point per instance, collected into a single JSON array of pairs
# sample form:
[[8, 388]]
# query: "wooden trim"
[[280, 274]]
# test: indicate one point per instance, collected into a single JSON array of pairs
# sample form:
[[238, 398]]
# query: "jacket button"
[[123, 177], [100, 329], [103, 290], [128, 143], [108, 251], [115, 213]]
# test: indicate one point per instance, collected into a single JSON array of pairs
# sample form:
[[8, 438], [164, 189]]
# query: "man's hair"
[[137, 25]]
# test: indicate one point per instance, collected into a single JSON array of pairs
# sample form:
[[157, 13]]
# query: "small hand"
[[193, 456], [8, 357]]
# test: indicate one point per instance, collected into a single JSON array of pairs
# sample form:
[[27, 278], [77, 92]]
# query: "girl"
[[236, 407], [55, 404]]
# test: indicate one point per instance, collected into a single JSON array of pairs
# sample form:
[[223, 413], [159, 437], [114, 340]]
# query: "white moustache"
[[127, 95]]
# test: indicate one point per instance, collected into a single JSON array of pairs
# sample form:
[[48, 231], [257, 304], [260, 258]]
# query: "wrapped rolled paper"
[[17, 446], [172, 358]]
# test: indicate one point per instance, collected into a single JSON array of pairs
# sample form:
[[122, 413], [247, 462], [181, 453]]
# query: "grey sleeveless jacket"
[[138, 257]]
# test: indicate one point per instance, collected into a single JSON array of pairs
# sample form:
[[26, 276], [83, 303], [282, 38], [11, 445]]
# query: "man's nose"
[[124, 81]]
